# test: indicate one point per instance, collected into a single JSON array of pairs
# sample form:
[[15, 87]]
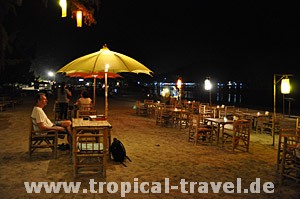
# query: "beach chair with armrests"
[[199, 132], [288, 155], [42, 139], [239, 136]]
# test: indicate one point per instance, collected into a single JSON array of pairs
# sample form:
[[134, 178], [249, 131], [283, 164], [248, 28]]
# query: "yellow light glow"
[[285, 86], [79, 18], [179, 83], [106, 68], [63, 5]]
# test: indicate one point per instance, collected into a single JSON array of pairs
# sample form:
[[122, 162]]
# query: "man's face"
[[43, 100]]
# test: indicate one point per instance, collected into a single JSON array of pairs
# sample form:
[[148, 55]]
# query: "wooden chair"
[[90, 151], [198, 131], [184, 119], [163, 118], [239, 137], [86, 110], [298, 124], [150, 107], [267, 126], [288, 158], [42, 139], [141, 109]]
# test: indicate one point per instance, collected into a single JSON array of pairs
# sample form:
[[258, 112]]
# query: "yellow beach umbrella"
[[105, 62]]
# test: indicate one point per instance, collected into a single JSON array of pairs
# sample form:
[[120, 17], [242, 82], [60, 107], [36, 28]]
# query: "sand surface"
[[157, 153]]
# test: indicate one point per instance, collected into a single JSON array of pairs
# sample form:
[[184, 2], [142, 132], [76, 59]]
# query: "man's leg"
[[67, 124]]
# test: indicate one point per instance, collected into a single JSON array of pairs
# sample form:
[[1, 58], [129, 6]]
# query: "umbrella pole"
[[94, 100], [106, 96]]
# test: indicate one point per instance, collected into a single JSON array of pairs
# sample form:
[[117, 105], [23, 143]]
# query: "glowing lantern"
[[179, 83], [79, 18], [285, 86], [63, 5]]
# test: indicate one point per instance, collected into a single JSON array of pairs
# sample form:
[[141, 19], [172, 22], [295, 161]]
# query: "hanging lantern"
[[79, 18], [63, 5], [285, 86]]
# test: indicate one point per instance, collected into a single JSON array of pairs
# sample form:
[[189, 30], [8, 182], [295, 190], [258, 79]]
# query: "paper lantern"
[[285, 86], [63, 5], [79, 18]]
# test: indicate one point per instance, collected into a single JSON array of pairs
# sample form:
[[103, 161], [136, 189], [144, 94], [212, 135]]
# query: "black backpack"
[[118, 151]]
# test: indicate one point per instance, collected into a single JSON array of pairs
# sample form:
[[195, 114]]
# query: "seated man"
[[42, 122]]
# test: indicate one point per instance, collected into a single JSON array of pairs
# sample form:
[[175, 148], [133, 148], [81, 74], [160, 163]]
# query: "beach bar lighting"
[[285, 89], [179, 86], [179, 83], [285, 86], [79, 18], [208, 86], [63, 5]]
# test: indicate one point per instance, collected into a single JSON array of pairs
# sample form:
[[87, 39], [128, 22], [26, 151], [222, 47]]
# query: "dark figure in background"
[[62, 98]]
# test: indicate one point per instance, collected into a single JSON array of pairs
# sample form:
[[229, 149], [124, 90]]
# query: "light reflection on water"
[[237, 95]]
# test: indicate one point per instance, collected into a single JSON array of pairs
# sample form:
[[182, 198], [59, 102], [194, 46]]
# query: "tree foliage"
[[17, 50]]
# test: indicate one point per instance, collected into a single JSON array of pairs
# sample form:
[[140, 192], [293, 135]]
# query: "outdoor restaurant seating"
[[199, 132], [288, 158], [140, 108], [42, 139], [163, 117], [268, 125], [239, 136], [150, 107], [86, 110], [90, 151]]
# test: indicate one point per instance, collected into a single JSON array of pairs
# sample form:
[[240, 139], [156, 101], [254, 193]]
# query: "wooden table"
[[178, 116], [80, 122], [220, 123]]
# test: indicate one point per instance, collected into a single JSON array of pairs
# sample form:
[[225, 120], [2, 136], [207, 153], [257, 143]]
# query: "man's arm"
[[43, 127]]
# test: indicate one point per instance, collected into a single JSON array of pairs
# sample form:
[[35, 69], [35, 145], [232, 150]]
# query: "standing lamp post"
[[179, 86], [285, 89], [208, 86]]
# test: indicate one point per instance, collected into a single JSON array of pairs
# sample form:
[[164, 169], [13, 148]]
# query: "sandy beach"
[[157, 154]]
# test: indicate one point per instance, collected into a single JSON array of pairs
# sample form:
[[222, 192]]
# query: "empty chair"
[[288, 156], [268, 125], [90, 151], [163, 117], [199, 132], [140, 108], [42, 139], [239, 137]]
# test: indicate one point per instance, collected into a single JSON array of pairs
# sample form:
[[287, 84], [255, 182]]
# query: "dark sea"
[[239, 96]]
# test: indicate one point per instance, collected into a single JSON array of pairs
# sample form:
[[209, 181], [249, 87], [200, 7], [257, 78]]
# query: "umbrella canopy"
[[96, 75], [104, 62], [97, 62]]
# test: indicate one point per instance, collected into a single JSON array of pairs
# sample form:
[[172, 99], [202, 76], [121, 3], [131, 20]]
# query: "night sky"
[[248, 40]]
